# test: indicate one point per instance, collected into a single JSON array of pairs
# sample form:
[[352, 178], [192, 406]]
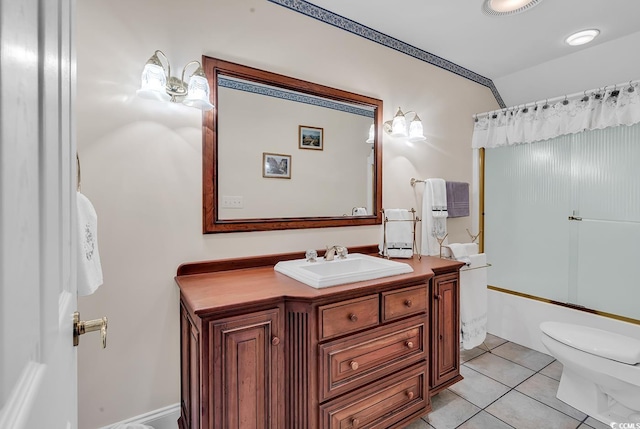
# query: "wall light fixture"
[[398, 127], [158, 84]]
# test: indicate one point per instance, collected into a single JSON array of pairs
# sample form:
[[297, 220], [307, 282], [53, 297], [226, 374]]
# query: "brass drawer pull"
[[275, 341], [354, 365], [409, 344], [410, 394], [355, 422], [353, 317], [408, 303]]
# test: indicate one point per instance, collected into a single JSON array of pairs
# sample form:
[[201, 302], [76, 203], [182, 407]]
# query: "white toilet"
[[601, 374]]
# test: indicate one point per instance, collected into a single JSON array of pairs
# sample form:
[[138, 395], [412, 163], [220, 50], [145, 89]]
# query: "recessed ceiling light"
[[582, 37], [507, 7]]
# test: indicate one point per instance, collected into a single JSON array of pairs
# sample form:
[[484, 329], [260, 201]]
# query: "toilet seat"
[[594, 341]]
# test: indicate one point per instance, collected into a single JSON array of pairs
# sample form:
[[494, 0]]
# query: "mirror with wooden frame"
[[283, 153]]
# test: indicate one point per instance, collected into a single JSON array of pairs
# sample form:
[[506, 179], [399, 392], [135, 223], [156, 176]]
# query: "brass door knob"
[[81, 327]]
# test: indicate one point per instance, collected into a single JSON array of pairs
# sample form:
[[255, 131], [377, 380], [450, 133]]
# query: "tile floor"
[[511, 387]]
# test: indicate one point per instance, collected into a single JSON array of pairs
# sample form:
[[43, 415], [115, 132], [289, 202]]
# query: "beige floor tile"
[[477, 388], [500, 369], [449, 410], [524, 356], [553, 370], [523, 412], [484, 420]]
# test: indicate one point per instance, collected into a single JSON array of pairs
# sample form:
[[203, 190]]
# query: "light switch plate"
[[232, 202]]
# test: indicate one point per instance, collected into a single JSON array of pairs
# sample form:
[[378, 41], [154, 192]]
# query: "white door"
[[38, 377]]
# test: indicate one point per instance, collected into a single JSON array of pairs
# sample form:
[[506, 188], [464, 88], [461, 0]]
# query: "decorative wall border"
[[358, 29], [292, 96]]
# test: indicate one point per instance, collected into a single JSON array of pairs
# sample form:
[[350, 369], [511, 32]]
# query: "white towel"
[[473, 301], [89, 267], [434, 222], [462, 251], [438, 189], [399, 231]]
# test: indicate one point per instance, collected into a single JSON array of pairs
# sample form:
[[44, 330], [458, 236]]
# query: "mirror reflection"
[[318, 146], [282, 153]]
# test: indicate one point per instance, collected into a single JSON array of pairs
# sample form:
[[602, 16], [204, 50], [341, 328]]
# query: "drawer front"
[[404, 302], [380, 405], [349, 363], [348, 316]]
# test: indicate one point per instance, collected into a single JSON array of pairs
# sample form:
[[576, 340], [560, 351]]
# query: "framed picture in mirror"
[[310, 137], [276, 165]]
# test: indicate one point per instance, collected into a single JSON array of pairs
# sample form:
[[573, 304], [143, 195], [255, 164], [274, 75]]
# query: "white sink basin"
[[355, 268]]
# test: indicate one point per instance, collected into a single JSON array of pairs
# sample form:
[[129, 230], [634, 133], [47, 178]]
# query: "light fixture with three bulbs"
[[398, 126], [158, 84]]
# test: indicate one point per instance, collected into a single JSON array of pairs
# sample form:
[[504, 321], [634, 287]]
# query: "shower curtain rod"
[[562, 97]]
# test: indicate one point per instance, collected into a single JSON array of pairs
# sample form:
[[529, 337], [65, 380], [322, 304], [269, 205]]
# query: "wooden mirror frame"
[[210, 220]]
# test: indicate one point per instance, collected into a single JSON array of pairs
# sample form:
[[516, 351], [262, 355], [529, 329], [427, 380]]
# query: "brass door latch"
[[82, 327]]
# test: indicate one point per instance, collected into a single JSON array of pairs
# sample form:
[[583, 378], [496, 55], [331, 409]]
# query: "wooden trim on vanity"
[[213, 266]]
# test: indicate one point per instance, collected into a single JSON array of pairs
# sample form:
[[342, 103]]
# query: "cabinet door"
[[248, 371], [445, 364]]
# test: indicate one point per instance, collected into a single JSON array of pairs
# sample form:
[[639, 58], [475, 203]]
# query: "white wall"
[[141, 166]]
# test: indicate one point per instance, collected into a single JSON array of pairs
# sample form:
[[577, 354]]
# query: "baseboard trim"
[[162, 418]]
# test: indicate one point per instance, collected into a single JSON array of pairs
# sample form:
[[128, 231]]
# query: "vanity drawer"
[[404, 302], [381, 405], [348, 316], [346, 364]]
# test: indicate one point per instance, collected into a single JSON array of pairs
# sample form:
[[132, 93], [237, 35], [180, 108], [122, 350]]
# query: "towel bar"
[[475, 268]]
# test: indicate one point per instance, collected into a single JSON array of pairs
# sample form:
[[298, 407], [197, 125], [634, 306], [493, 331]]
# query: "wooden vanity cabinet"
[[445, 331], [261, 350]]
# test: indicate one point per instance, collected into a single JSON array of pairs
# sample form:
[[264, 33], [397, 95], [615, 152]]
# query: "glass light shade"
[[507, 5], [415, 131], [198, 93], [154, 83], [372, 131], [582, 37], [399, 126]]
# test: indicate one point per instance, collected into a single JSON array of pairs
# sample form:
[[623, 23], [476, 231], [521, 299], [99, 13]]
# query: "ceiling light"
[[507, 7], [582, 37]]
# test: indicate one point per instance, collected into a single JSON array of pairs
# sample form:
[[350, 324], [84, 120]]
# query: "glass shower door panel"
[[606, 194], [527, 201]]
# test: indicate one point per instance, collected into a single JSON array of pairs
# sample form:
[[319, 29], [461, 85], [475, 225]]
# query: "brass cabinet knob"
[[353, 317], [438, 296], [354, 365], [409, 344], [81, 327], [275, 341], [408, 303], [355, 422], [410, 394]]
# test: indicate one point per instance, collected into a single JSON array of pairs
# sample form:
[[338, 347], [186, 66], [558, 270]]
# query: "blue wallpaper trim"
[[353, 27], [292, 96]]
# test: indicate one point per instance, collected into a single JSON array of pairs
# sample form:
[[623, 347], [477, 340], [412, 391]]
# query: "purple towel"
[[457, 199]]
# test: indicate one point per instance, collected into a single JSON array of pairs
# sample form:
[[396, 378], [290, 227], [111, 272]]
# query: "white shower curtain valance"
[[525, 124]]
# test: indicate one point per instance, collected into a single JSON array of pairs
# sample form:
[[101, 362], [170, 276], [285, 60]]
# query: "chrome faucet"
[[331, 252]]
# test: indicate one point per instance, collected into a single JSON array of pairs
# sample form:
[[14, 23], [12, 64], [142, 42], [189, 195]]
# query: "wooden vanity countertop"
[[214, 286]]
